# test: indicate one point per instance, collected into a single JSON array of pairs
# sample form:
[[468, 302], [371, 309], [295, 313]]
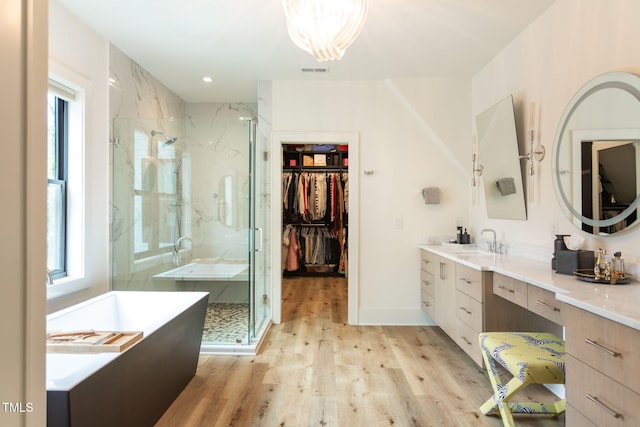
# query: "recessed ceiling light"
[[207, 79]]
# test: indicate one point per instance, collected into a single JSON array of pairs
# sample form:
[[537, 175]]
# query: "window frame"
[[76, 90], [60, 179]]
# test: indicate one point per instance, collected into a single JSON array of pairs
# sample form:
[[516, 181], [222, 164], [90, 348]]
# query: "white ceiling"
[[238, 42]]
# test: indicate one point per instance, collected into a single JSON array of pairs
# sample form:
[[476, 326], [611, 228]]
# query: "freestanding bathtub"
[[136, 386]]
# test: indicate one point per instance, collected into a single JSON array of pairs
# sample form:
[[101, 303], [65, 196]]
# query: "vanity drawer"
[[599, 398], [426, 282], [510, 289], [469, 281], [427, 303], [469, 310], [574, 418], [607, 346], [544, 303], [426, 261], [467, 339]]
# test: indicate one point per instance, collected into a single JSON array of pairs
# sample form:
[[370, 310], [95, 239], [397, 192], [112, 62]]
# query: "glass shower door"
[[258, 211]]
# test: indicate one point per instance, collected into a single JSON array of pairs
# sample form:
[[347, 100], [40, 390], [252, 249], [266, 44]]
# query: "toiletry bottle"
[[596, 267], [605, 267], [459, 234], [466, 239], [618, 266]]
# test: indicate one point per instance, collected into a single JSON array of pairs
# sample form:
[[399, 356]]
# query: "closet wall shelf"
[[334, 160]]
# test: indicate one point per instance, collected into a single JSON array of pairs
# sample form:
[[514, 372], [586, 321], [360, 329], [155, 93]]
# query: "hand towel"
[[506, 186]]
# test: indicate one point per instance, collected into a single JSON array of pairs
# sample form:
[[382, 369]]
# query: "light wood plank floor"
[[315, 370]]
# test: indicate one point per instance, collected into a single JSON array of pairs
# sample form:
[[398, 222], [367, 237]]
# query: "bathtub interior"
[[123, 310]]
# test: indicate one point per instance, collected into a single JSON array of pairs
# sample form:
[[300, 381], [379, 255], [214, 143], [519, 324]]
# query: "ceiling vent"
[[314, 69]]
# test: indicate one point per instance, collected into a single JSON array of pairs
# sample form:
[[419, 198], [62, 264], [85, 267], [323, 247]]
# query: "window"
[[155, 196], [65, 195], [57, 166]]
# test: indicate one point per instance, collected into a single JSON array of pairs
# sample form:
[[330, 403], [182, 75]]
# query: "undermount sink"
[[471, 252]]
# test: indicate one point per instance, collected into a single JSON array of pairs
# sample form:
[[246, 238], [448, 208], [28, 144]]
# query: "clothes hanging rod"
[[315, 169]]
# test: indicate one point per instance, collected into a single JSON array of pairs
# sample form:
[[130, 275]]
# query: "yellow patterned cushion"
[[532, 357]]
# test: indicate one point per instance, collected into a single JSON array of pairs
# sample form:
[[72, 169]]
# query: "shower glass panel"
[[183, 216]]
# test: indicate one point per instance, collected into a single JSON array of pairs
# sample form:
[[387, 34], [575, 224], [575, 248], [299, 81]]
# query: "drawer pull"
[[504, 288], [426, 304], [599, 347], [426, 282], [466, 310], [465, 339], [468, 282], [610, 411], [547, 305]]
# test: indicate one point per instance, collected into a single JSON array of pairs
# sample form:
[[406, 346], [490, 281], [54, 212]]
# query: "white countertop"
[[620, 303]]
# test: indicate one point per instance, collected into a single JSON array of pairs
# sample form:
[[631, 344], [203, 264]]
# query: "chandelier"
[[324, 28]]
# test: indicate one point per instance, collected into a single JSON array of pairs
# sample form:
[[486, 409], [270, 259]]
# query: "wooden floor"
[[315, 370]]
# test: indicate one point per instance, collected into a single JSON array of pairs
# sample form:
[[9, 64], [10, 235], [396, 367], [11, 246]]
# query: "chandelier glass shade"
[[325, 28]]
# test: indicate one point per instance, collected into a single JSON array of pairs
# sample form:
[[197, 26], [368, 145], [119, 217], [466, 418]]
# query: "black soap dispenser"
[[459, 234], [558, 245], [466, 238]]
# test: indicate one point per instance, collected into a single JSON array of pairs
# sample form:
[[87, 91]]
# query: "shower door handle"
[[260, 239]]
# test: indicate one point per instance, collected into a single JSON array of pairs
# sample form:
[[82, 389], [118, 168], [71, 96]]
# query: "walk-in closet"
[[315, 210]]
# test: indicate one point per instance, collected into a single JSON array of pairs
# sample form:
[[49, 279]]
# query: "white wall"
[[409, 134], [76, 50], [23, 36], [572, 42]]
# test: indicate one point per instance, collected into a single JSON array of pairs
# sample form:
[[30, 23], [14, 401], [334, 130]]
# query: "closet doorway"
[[294, 154]]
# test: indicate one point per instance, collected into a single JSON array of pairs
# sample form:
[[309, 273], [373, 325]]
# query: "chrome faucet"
[[176, 250], [49, 277], [493, 245]]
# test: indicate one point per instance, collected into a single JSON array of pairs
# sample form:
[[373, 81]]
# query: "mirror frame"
[[498, 144], [627, 82]]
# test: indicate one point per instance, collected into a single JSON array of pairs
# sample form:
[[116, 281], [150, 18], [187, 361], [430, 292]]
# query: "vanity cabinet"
[[427, 283], [537, 308], [445, 288], [437, 290], [453, 295], [471, 287], [602, 358]]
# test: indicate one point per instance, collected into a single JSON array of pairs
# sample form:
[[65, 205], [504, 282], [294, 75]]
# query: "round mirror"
[[596, 155]]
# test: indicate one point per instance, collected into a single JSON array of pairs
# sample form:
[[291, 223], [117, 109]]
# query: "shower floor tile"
[[226, 324]]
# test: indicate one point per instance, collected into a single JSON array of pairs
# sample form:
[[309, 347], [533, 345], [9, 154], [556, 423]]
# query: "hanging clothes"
[[293, 258], [315, 205]]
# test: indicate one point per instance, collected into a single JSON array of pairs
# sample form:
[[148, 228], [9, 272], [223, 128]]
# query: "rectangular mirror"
[[502, 176]]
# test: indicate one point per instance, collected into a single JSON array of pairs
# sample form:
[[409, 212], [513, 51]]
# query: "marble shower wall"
[[217, 143], [205, 171]]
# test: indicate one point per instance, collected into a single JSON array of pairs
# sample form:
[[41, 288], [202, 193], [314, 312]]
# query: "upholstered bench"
[[531, 358]]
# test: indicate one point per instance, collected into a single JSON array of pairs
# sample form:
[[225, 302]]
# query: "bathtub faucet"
[[176, 250]]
